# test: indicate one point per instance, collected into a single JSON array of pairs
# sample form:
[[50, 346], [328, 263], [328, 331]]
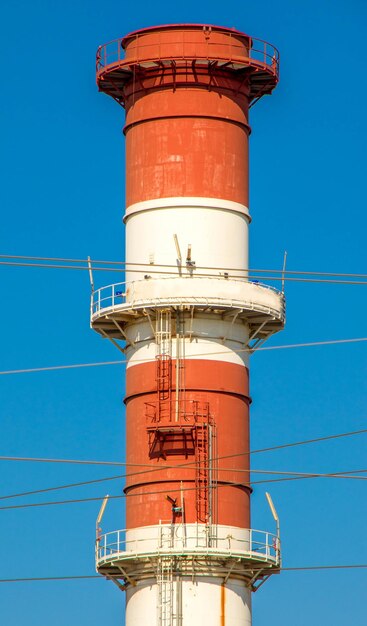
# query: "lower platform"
[[192, 550]]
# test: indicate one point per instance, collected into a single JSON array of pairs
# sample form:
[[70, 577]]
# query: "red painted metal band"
[[200, 374], [162, 442]]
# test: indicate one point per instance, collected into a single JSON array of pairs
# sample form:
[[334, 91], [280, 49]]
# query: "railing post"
[[99, 300]]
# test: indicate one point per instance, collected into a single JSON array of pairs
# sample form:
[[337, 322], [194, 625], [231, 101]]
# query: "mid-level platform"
[[116, 305]]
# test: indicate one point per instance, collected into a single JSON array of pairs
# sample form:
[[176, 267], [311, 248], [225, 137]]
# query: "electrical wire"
[[116, 463], [68, 486], [44, 578], [152, 360], [192, 466], [303, 476], [179, 489], [101, 577], [246, 272], [206, 267], [162, 468], [322, 567]]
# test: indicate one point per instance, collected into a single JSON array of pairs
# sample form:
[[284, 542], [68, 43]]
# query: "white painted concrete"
[[203, 601], [216, 230], [207, 338]]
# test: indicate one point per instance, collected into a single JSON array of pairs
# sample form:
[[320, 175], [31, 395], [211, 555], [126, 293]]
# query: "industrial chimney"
[[188, 318]]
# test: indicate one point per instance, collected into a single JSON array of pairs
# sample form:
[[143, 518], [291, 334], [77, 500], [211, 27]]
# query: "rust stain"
[[223, 605]]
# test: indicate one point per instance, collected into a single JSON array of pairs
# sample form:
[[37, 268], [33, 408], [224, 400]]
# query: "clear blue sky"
[[62, 194]]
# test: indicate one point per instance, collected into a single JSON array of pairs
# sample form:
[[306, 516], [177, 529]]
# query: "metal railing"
[[108, 297], [260, 53], [113, 296], [244, 543]]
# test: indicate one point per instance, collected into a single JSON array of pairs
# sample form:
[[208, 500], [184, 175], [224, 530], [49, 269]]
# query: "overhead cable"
[[174, 266], [179, 490], [247, 273], [100, 577], [291, 475], [121, 464], [152, 360]]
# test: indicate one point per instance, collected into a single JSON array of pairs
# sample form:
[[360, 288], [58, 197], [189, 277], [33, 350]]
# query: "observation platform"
[[247, 554], [177, 48], [261, 306]]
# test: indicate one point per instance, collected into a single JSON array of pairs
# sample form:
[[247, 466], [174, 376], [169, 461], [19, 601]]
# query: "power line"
[[121, 464], [308, 441], [173, 266], [304, 476], [219, 352], [322, 567], [100, 577], [29, 459], [68, 260], [68, 486], [344, 475], [198, 274], [192, 466], [44, 578], [295, 475]]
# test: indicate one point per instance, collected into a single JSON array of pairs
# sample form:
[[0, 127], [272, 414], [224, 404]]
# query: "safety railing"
[[108, 297], [113, 296], [243, 543], [259, 53]]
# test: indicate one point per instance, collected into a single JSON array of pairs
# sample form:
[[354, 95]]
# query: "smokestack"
[[188, 317]]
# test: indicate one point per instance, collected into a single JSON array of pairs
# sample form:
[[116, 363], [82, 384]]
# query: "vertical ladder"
[[206, 472], [180, 409], [163, 332], [202, 475], [169, 583], [163, 364], [165, 591]]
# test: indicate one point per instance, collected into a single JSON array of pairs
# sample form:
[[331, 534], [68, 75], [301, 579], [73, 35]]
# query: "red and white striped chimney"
[[189, 317]]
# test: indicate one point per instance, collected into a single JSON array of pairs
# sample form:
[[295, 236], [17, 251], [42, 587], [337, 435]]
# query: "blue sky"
[[62, 195]]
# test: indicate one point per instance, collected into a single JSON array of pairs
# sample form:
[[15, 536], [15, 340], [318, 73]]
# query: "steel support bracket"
[[126, 576], [117, 583]]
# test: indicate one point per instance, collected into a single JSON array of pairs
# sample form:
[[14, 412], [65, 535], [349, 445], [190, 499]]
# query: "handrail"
[[261, 52], [247, 543], [115, 293]]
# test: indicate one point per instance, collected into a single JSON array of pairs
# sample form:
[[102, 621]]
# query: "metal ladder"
[[165, 591], [169, 605], [202, 469], [163, 332], [163, 336], [206, 473]]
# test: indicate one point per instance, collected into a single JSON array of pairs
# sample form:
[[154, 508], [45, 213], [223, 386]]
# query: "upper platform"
[[182, 52]]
